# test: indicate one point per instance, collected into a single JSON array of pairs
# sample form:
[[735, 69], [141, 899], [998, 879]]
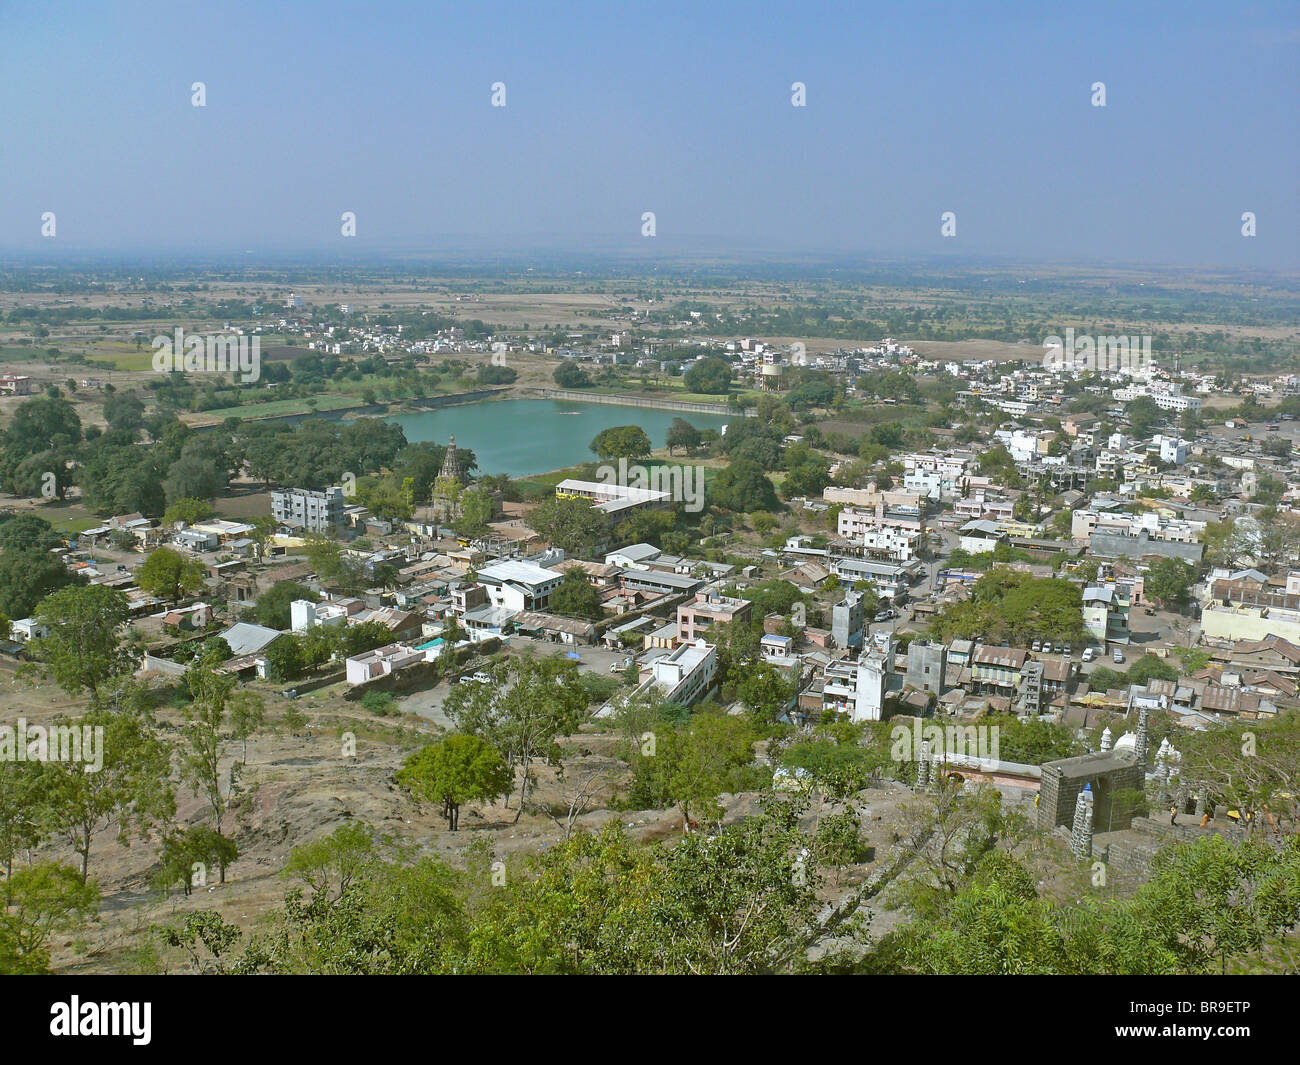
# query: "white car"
[[1089, 653]]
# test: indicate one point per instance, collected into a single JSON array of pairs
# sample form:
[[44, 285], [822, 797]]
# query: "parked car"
[[1037, 645], [290, 693], [1149, 611], [1068, 651], [1089, 653], [1118, 656]]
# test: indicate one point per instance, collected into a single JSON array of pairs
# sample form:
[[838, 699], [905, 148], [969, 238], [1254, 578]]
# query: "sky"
[[685, 110]]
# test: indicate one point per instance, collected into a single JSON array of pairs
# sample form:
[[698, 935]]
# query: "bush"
[[381, 703]]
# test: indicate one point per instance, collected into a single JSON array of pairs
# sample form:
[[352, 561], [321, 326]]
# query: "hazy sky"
[[683, 109]]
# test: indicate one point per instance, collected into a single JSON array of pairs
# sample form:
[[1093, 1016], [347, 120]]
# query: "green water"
[[526, 436]]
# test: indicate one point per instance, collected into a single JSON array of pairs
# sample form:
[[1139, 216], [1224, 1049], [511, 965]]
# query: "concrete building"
[[519, 585], [848, 618], [686, 675], [1106, 613], [309, 509], [707, 611], [926, 666]]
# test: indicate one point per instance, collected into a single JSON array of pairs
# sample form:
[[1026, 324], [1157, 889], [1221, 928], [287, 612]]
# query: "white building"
[[686, 675], [519, 585]]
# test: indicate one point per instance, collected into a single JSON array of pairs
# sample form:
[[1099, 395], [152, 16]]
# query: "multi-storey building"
[[319, 511]]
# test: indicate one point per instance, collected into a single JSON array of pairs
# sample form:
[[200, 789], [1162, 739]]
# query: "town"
[[876, 575]]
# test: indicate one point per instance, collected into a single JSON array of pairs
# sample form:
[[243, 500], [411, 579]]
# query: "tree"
[[690, 767], [273, 605], [205, 718], [181, 852], [170, 575], [29, 576], [42, 900], [457, 770], [710, 376], [743, 487], [21, 808], [130, 789], [335, 567], [1143, 415], [207, 928], [285, 659], [576, 597], [477, 508], [188, 511], [622, 441], [571, 524], [84, 647], [1151, 667], [571, 375], [740, 901], [682, 434], [1168, 581], [765, 691], [26, 532], [530, 703], [330, 866]]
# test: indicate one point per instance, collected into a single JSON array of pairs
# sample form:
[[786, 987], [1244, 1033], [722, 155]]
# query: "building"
[[518, 585], [383, 661], [707, 611], [997, 669], [859, 688], [686, 675], [1115, 779], [15, 385], [926, 666], [611, 499], [848, 618], [1106, 613], [980, 536], [309, 509]]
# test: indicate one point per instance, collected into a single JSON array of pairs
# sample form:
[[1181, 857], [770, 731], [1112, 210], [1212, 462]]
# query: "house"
[[997, 669], [980, 536], [686, 675], [1106, 613], [707, 611], [634, 556], [517, 585], [27, 629], [384, 661], [246, 638]]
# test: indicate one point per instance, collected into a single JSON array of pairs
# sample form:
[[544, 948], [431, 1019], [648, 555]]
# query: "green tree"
[[454, 771], [529, 705], [170, 575], [622, 441], [576, 597], [130, 790], [83, 649], [710, 376], [273, 605], [1169, 581], [744, 488], [682, 434], [571, 524], [44, 900]]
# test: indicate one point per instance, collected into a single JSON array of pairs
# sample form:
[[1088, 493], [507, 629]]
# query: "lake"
[[520, 437]]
